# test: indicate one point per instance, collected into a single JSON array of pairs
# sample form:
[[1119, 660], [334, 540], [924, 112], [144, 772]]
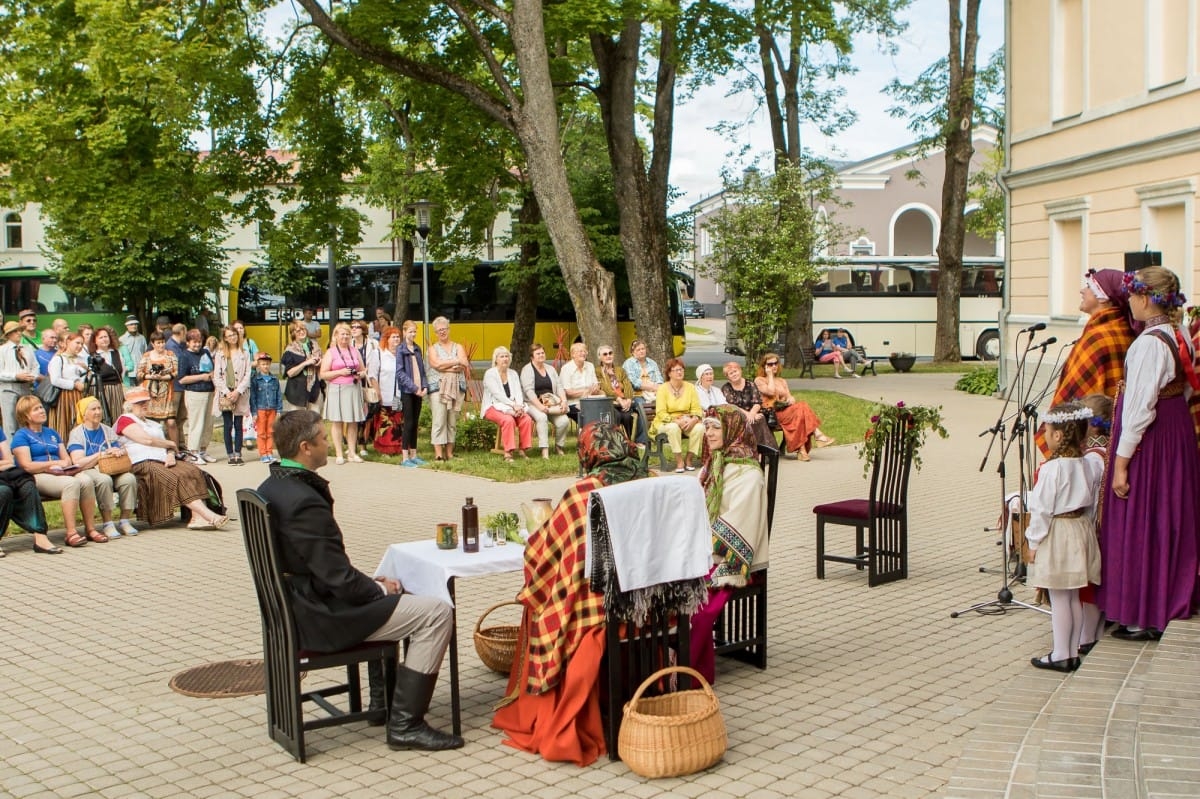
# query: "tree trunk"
[[641, 194], [403, 282], [526, 294], [591, 287], [960, 106], [532, 115]]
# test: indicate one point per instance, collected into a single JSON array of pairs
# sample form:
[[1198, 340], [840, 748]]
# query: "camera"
[[157, 368], [96, 362]]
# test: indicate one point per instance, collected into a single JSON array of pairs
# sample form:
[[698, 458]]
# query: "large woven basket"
[[497, 646], [673, 734]]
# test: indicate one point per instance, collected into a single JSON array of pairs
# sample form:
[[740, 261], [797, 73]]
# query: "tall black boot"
[[406, 728], [377, 690]]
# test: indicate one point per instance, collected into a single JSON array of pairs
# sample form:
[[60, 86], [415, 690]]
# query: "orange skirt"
[[799, 423], [562, 724]]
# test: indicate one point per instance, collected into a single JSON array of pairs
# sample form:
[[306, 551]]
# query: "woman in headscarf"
[[552, 705], [736, 495], [1097, 361]]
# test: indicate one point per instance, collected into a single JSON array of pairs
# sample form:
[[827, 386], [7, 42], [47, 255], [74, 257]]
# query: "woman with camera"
[[342, 368], [67, 371], [156, 373]]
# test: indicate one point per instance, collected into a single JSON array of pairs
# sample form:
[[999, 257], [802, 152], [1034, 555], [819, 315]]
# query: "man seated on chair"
[[336, 606]]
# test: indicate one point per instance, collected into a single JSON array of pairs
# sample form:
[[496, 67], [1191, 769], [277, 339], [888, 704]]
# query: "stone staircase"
[[1127, 724]]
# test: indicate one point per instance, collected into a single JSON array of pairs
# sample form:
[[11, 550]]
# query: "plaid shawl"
[[559, 603], [1097, 361]]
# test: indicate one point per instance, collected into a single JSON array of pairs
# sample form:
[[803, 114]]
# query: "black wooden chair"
[[741, 629], [631, 654], [882, 518], [284, 660]]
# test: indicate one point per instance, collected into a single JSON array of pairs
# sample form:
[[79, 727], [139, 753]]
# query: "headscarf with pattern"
[[606, 452], [740, 446]]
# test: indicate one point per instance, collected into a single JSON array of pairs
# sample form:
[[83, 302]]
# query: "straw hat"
[[12, 327]]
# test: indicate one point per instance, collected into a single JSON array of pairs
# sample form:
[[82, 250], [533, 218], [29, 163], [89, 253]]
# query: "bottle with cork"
[[470, 526]]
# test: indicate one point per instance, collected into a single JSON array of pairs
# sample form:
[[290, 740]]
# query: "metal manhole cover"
[[215, 680]]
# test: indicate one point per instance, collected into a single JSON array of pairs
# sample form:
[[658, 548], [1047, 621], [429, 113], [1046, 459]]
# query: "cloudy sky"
[[700, 152]]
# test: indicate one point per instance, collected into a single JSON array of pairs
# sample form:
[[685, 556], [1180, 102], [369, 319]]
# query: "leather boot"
[[406, 727], [377, 691]]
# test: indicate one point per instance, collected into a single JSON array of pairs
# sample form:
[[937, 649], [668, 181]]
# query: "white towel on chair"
[[658, 529]]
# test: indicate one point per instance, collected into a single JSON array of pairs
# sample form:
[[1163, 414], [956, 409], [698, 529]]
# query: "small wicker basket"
[[673, 734], [497, 646]]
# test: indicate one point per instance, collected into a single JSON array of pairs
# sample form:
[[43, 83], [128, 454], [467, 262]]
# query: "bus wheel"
[[988, 346]]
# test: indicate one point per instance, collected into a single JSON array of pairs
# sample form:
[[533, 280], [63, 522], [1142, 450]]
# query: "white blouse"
[[1149, 367], [385, 373], [1063, 485], [494, 395], [64, 371]]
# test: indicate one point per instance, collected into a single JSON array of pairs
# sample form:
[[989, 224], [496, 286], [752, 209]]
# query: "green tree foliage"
[[102, 102], [764, 249], [988, 218]]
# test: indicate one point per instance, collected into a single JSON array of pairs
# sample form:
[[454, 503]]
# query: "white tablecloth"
[[425, 570]]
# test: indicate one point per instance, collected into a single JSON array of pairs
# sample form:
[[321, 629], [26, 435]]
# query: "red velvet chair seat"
[[856, 509]]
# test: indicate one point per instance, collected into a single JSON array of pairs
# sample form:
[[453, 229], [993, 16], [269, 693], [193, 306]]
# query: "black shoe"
[[1125, 634], [1086, 648], [406, 727], [1067, 665], [50, 550]]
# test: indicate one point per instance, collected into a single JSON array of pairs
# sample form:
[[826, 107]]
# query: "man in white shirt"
[[135, 343]]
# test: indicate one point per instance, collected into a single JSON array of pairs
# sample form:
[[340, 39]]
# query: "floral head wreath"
[[1169, 299], [1061, 417]]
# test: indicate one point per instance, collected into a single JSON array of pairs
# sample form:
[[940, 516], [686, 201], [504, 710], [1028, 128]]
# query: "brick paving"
[[868, 692]]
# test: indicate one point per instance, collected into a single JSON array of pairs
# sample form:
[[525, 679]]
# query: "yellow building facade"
[[1103, 148]]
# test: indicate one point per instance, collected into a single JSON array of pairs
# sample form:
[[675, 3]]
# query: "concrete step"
[[1127, 724]]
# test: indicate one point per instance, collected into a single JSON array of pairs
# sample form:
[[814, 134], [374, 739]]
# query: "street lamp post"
[[422, 210]]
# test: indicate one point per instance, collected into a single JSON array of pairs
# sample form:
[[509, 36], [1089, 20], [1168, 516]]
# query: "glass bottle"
[[470, 526]]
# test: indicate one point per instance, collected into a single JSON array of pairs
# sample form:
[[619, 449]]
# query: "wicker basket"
[[497, 646], [673, 734]]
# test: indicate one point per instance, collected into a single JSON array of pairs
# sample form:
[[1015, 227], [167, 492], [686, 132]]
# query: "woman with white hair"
[[710, 395], [503, 405]]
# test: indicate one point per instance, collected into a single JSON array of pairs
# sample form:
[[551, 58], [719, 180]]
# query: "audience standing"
[[196, 369], [301, 366], [412, 387], [18, 373], [231, 384], [342, 367], [111, 371], [67, 371], [449, 369], [135, 346]]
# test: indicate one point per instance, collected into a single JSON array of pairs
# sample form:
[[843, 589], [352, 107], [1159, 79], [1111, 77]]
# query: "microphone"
[[1047, 343], [1034, 328], [1073, 343]]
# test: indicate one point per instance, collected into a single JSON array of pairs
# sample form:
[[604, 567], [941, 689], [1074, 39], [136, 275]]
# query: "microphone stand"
[[1004, 597]]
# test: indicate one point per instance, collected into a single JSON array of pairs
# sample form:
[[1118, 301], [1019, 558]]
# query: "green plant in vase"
[[506, 523]]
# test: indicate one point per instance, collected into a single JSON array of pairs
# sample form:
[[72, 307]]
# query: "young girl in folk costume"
[[1061, 531], [1148, 525]]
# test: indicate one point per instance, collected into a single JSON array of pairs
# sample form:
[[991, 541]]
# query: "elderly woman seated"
[[736, 494], [552, 705], [678, 415], [164, 482], [90, 442]]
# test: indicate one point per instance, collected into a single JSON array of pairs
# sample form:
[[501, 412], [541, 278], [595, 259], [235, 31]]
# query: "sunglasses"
[[771, 363]]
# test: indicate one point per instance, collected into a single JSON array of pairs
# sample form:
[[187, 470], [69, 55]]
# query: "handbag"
[[226, 403], [553, 403], [47, 392], [115, 465], [371, 394]]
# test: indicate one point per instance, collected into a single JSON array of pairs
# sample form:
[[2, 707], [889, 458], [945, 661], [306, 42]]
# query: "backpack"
[[215, 501]]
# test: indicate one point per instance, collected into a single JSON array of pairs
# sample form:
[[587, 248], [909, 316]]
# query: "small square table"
[[425, 570]]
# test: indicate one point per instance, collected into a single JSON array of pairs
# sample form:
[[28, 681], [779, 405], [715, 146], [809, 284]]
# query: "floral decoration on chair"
[[917, 421]]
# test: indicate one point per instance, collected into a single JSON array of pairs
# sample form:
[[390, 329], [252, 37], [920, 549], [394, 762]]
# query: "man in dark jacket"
[[337, 606]]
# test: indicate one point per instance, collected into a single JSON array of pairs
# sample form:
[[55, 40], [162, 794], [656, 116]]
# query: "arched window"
[[12, 231]]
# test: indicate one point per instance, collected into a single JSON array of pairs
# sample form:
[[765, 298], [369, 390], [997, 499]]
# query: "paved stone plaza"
[[868, 691]]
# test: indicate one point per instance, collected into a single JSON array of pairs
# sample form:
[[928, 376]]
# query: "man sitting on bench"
[[336, 606], [841, 340]]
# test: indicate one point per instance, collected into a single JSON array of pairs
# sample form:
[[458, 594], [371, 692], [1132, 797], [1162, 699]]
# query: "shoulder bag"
[[47, 392]]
